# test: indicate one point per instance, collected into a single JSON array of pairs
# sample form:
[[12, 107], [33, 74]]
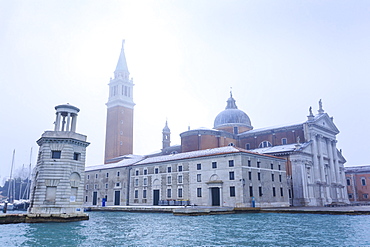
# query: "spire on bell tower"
[[121, 68], [166, 136]]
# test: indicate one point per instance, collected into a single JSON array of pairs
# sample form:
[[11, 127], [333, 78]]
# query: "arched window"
[[265, 144]]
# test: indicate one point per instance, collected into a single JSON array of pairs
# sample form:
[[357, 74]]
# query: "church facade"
[[301, 163]]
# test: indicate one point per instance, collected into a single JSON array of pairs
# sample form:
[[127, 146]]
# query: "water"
[[155, 229]]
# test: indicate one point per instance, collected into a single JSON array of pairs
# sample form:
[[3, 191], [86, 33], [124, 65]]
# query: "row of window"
[[117, 185], [363, 181], [265, 144], [56, 154], [125, 91], [364, 196], [106, 175], [259, 176]]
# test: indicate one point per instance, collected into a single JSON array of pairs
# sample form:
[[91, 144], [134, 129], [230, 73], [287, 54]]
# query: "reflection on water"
[[155, 229]]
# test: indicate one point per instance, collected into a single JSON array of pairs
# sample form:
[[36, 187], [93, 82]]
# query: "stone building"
[[358, 183], [314, 166], [226, 176], [58, 178]]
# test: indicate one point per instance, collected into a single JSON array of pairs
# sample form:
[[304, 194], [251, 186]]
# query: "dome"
[[232, 116]]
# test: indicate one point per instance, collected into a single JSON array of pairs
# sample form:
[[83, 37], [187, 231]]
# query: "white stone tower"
[[58, 178]]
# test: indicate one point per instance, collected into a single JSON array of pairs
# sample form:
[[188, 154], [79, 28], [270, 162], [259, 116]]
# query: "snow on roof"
[[283, 126], [130, 160], [195, 154], [280, 148], [357, 169]]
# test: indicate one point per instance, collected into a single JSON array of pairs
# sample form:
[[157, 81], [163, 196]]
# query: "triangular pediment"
[[324, 122]]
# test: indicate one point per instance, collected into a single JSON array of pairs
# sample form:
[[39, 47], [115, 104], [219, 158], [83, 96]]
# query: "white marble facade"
[[58, 178]]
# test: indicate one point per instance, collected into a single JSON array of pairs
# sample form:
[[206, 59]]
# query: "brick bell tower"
[[120, 113]]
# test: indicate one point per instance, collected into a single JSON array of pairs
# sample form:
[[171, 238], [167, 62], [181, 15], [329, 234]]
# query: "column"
[[68, 121], [336, 167], [74, 122], [331, 161], [316, 171], [63, 122], [57, 122]]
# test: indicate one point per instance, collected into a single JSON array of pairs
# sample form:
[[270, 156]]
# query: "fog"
[[279, 57]]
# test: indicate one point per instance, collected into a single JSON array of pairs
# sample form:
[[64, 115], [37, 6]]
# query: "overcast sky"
[[279, 57]]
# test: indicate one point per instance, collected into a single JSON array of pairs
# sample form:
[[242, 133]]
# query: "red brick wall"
[[119, 119]]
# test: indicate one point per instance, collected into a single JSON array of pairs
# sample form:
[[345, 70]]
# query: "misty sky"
[[280, 58]]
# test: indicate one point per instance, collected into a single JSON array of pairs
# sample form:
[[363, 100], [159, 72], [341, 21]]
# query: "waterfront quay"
[[203, 210]]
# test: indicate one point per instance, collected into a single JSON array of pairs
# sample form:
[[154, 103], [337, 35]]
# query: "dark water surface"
[[155, 229]]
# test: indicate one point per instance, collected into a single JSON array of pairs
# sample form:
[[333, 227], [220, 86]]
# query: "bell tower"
[[120, 112], [166, 137]]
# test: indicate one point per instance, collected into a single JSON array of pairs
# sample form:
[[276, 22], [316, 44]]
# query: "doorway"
[[117, 197], [95, 198], [155, 197], [215, 193]]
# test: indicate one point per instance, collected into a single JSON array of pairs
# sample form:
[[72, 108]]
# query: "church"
[[232, 164]]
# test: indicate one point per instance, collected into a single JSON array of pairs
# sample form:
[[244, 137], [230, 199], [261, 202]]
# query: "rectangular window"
[[231, 163], [86, 199], [350, 196], [169, 169], [365, 196], [249, 163], [145, 181], [137, 173], [106, 186], [232, 191], [284, 141], [199, 192], [87, 186], [145, 171], [272, 166], [107, 175], [169, 180], [363, 181], [199, 177], [156, 170], [76, 156], [56, 154], [199, 166], [281, 192], [136, 182], [169, 193], [273, 191], [88, 176], [144, 193], [95, 186], [272, 177], [258, 164], [250, 175], [96, 175], [179, 179], [136, 194], [180, 168], [179, 192], [231, 176], [280, 178], [247, 146], [260, 191], [279, 167], [118, 184], [259, 176], [117, 174], [250, 191], [348, 181], [214, 164], [236, 130]]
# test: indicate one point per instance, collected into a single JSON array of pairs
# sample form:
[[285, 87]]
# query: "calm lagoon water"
[[156, 229]]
